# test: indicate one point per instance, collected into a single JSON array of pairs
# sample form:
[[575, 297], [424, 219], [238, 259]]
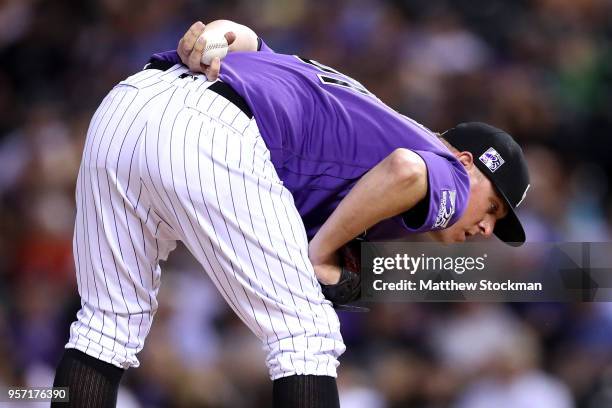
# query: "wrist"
[[316, 254]]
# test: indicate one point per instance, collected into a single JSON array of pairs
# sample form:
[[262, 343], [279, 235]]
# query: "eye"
[[493, 207]]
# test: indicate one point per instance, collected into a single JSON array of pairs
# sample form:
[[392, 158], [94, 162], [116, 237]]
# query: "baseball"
[[216, 46]]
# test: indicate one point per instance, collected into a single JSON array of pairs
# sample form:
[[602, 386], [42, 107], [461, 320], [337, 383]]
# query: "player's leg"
[[223, 196], [306, 391], [90, 382], [118, 241]]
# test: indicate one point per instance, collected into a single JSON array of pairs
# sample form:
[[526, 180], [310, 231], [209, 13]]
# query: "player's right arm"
[[192, 44], [392, 187]]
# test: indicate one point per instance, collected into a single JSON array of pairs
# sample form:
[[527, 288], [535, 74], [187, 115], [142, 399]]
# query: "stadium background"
[[541, 69]]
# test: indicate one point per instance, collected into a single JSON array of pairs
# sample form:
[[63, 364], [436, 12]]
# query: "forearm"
[[246, 39], [393, 186]]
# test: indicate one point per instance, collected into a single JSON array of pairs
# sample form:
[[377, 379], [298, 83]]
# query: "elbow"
[[407, 168]]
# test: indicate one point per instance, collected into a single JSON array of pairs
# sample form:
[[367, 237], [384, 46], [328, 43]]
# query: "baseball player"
[[263, 174]]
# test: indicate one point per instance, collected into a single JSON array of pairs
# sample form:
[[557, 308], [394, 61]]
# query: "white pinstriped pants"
[[165, 159]]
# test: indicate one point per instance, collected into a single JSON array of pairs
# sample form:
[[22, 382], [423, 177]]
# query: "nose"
[[486, 227]]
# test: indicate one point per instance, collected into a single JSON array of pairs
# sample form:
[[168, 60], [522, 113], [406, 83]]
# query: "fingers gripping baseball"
[[215, 49], [193, 51], [187, 42]]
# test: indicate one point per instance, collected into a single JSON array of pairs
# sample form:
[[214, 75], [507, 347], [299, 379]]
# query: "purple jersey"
[[324, 130]]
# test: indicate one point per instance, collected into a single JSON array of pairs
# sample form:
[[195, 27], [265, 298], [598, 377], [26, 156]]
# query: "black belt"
[[218, 87]]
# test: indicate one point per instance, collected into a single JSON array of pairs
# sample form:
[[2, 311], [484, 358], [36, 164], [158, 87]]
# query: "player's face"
[[485, 207]]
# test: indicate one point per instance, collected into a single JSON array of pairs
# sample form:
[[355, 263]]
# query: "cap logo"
[[446, 209], [491, 159]]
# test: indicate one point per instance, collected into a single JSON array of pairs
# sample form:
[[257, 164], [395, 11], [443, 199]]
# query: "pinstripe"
[[76, 243], [234, 306], [239, 228], [159, 170], [85, 239], [306, 261], [245, 128], [277, 257], [305, 266], [100, 204], [265, 260], [84, 213], [110, 199], [136, 116], [86, 169], [263, 253], [142, 73], [155, 78], [166, 223], [109, 100], [253, 162], [211, 102], [238, 311], [296, 307], [79, 199], [101, 211], [257, 238], [127, 222], [197, 90], [224, 220], [144, 249]]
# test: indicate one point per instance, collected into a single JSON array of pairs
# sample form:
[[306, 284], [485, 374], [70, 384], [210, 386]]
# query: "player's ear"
[[466, 159]]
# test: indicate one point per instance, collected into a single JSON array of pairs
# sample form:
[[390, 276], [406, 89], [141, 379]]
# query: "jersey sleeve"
[[170, 56], [448, 192]]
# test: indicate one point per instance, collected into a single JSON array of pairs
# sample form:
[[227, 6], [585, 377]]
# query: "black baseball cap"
[[501, 159]]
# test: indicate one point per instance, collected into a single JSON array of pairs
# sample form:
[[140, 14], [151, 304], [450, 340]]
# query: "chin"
[[446, 238], [450, 239]]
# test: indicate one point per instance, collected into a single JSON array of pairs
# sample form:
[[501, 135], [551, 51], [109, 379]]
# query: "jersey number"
[[343, 80]]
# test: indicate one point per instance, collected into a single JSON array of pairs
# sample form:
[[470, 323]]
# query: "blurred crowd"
[[540, 69]]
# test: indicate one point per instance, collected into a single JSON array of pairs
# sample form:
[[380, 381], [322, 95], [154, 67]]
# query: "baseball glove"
[[348, 288]]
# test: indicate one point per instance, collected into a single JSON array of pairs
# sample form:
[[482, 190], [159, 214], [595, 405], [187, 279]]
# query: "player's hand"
[[327, 274], [339, 284], [326, 269], [191, 46]]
